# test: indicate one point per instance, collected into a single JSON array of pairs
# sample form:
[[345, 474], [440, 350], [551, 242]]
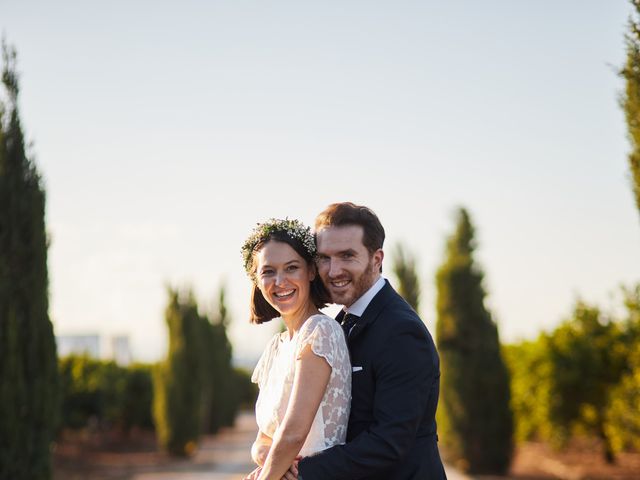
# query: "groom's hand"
[[292, 473]]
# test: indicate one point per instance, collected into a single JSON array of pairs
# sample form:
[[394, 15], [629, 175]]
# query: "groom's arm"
[[405, 372]]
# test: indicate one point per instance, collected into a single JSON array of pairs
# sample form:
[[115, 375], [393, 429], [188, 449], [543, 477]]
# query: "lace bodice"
[[274, 375]]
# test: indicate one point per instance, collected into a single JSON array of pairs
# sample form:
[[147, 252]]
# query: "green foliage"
[[474, 416], [226, 390], [623, 414], [28, 373], [404, 268], [101, 393], [196, 390], [531, 393], [587, 362], [178, 380], [631, 98], [247, 391], [582, 378], [137, 397]]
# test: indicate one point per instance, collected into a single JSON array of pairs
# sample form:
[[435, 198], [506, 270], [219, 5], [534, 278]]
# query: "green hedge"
[[104, 393]]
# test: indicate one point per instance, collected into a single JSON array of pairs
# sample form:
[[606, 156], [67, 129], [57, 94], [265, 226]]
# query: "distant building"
[[79, 345], [120, 350], [117, 347]]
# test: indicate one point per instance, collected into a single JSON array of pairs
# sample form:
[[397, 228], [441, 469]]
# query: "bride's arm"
[[309, 384], [260, 448]]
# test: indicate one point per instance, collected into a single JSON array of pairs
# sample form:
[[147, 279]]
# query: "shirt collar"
[[360, 305]]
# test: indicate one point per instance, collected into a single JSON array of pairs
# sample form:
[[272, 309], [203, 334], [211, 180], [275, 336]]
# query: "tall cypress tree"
[[404, 268], [177, 407], [474, 415], [223, 403], [631, 98], [28, 363], [207, 372]]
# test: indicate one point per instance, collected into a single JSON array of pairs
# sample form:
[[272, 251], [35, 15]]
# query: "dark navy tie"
[[348, 323]]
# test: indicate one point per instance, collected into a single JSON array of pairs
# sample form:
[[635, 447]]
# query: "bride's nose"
[[280, 278]]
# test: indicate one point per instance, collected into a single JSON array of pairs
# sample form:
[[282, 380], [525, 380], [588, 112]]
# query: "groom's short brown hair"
[[346, 213]]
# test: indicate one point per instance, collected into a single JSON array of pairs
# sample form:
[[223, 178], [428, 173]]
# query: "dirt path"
[[221, 457], [224, 456]]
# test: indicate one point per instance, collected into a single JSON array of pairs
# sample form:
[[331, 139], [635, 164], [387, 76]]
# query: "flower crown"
[[293, 228]]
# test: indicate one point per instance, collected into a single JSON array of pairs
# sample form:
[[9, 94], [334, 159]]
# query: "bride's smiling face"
[[283, 277]]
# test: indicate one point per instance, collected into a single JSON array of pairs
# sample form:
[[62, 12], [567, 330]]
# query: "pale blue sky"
[[165, 130]]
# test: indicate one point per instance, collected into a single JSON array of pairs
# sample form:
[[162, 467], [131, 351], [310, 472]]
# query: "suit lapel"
[[372, 311]]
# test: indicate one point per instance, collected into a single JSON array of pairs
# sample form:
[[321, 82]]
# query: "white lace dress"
[[274, 375]]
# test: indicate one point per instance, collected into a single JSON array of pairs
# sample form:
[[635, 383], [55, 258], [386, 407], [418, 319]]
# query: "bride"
[[304, 374]]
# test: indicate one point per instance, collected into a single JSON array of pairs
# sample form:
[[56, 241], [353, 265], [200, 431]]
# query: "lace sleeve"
[[321, 333], [261, 372]]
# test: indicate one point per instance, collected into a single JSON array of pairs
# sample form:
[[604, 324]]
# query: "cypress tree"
[[474, 414], [207, 372], [28, 363], [177, 381], [631, 97], [223, 402], [404, 268]]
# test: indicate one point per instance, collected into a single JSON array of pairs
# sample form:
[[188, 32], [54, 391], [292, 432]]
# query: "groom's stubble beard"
[[361, 284]]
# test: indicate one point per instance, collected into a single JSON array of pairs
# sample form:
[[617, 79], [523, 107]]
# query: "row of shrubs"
[[582, 379], [101, 394]]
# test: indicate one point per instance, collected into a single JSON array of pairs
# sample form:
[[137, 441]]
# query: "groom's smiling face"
[[345, 265]]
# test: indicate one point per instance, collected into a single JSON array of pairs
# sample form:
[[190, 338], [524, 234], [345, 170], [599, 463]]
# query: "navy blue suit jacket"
[[395, 385]]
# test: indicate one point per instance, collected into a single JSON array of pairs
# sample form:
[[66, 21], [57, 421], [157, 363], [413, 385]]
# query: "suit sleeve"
[[404, 372]]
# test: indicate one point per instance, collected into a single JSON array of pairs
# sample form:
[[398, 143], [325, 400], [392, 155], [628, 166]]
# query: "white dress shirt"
[[360, 305]]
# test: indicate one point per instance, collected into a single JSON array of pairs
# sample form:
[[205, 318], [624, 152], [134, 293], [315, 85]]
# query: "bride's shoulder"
[[275, 340], [321, 320]]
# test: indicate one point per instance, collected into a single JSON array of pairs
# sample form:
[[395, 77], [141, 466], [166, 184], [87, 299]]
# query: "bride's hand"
[[253, 475]]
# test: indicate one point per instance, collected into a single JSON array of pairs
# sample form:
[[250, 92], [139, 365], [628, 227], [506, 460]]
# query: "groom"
[[396, 375]]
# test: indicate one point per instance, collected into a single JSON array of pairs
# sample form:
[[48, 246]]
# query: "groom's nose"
[[334, 268]]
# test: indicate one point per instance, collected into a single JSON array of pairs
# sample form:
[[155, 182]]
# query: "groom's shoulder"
[[396, 306], [400, 316]]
